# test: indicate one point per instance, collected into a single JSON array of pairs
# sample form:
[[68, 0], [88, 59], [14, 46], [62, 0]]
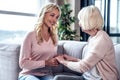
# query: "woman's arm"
[[25, 60], [75, 66], [70, 58]]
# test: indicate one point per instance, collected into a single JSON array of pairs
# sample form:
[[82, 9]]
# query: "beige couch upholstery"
[[9, 56]]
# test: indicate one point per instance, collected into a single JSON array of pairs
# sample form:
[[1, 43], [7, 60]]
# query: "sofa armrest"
[[9, 55], [117, 56]]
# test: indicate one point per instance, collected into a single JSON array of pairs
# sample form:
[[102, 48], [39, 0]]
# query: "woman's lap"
[[32, 77]]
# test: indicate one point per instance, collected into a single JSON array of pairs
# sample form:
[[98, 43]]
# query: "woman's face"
[[51, 18]]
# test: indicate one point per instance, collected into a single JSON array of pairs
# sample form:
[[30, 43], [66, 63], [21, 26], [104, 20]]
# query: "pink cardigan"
[[98, 59]]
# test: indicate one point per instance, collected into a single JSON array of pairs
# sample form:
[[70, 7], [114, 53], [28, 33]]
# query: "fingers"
[[60, 59], [51, 62], [58, 55], [54, 62]]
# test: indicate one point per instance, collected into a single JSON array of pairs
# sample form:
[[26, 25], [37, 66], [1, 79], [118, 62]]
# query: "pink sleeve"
[[25, 55]]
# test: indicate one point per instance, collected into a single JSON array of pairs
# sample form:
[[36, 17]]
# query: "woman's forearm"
[[75, 66]]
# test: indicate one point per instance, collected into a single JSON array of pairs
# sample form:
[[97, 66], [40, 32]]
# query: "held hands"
[[51, 62], [63, 59], [70, 58], [60, 58]]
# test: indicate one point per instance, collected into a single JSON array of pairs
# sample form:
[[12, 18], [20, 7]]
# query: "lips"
[[52, 23]]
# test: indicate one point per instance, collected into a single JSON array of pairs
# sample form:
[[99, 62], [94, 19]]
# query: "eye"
[[52, 15], [57, 17]]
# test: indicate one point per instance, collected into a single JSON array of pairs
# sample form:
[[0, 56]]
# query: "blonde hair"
[[39, 27], [90, 18]]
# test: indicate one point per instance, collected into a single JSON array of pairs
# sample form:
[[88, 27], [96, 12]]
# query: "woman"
[[39, 47], [98, 58]]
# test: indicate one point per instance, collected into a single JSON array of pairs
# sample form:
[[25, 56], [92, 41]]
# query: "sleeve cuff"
[[75, 66]]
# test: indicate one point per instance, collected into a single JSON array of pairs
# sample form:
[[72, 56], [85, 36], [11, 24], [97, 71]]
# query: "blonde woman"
[[39, 47], [98, 58]]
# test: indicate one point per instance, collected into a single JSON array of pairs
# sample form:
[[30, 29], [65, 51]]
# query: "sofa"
[[9, 58]]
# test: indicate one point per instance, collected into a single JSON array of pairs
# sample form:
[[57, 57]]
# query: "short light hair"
[[90, 18]]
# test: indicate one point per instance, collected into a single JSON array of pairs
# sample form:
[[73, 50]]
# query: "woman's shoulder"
[[30, 34], [102, 36]]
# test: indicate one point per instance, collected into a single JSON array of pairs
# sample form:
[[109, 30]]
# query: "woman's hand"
[[62, 60], [51, 62], [70, 58]]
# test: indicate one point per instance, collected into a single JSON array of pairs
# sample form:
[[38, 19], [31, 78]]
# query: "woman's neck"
[[45, 33], [92, 32], [45, 29]]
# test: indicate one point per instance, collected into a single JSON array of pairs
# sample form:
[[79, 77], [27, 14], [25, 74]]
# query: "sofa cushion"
[[57, 69], [117, 55], [9, 55], [73, 48], [60, 47]]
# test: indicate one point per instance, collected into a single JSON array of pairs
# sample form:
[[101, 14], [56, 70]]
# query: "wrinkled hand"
[[51, 62], [70, 58], [58, 55], [60, 58]]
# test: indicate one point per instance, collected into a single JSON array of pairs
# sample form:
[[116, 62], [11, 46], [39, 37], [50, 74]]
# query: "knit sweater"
[[33, 56], [98, 59]]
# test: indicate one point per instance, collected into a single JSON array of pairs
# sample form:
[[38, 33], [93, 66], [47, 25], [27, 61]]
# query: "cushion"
[[73, 48], [117, 55], [9, 55]]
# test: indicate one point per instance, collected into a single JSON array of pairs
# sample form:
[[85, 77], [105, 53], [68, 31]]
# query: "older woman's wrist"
[[64, 62]]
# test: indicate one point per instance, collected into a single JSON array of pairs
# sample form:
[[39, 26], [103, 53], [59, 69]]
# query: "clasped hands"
[[59, 59]]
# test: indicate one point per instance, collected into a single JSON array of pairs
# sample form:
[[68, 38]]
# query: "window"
[[111, 12], [17, 17]]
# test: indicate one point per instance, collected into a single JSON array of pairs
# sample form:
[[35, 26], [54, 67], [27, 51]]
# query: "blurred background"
[[17, 17]]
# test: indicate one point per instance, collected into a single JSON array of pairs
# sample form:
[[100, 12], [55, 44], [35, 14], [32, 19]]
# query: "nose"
[[55, 20]]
